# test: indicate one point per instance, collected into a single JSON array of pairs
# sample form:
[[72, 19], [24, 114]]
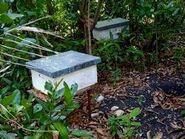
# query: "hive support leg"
[[89, 103]]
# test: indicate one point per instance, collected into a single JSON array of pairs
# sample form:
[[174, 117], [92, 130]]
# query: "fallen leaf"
[[158, 135], [100, 131]]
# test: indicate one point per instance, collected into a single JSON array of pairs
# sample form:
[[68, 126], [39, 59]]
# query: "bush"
[[124, 126], [35, 118]]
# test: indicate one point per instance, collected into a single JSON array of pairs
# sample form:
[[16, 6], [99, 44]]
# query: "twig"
[[19, 125], [38, 30], [5, 74], [31, 22], [157, 53], [97, 14], [4, 69], [89, 29], [40, 47], [29, 130], [25, 44], [14, 63], [150, 110], [9, 55], [45, 39], [11, 48]]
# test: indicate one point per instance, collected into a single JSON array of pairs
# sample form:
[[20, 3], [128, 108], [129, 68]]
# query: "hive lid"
[[112, 23], [63, 63]]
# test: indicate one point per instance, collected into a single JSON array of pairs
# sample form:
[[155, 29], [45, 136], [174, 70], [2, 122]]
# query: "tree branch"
[[97, 14]]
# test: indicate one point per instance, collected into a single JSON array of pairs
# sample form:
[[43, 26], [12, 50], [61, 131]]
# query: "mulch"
[[160, 116]]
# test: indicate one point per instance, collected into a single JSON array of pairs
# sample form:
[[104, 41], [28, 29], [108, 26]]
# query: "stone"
[[93, 115], [119, 113], [71, 66], [114, 108], [100, 98]]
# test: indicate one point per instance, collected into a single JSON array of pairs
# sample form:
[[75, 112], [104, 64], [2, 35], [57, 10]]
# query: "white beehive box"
[[73, 67], [110, 28]]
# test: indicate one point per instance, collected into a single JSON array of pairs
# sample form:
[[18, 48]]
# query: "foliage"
[[124, 126], [116, 75], [178, 55], [141, 99], [179, 58], [111, 55], [148, 19], [110, 52], [12, 75], [152, 23], [34, 118], [81, 133], [182, 113], [147, 15], [135, 56]]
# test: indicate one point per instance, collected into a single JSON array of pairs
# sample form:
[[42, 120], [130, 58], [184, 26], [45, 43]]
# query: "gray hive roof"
[[63, 63], [112, 23]]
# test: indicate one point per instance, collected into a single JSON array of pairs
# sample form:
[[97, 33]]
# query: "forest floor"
[[160, 108]]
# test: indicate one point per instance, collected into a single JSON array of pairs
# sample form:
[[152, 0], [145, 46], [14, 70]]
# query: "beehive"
[[73, 67], [110, 29]]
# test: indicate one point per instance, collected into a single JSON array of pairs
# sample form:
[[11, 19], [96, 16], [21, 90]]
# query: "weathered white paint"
[[106, 34], [84, 78]]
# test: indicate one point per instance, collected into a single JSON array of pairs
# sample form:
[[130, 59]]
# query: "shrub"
[[35, 118]]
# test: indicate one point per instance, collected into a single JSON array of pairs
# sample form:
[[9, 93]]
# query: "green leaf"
[[58, 108], [137, 124], [4, 7], [37, 108], [72, 107], [4, 111], [8, 81], [28, 137], [74, 88], [43, 103], [62, 129], [5, 135], [68, 97], [81, 133], [17, 98], [5, 19], [129, 132], [18, 108], [59, 93], [182, 113], [49, 87], [176, 12], [5, 90], [7, 100], [135, 112], [37, 135], [14, 98], [14, 15], [26, 103], [124, 120]]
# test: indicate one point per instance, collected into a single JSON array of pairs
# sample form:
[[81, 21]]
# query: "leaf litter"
[[160, 117]]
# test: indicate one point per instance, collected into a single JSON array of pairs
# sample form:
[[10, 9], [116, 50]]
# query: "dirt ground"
[[160, 103]]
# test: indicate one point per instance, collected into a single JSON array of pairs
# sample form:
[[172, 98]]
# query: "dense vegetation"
[[36, 28]]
